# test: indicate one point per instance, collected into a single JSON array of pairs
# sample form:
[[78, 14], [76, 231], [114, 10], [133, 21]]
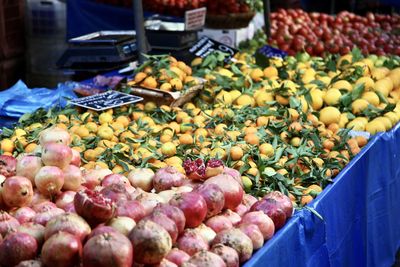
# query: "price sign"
[[195, 19], [107, 100], [270, 51], [206, 45]]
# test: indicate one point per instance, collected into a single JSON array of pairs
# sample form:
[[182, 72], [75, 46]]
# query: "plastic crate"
[[46, 18], [11, 70], [12, 38]]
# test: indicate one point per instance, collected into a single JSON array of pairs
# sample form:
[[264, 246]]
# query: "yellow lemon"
[[329, 115], [375, 126], [105, 118], [245, 100], [343, 84], [371, 97], [332, 97], [359, 105]]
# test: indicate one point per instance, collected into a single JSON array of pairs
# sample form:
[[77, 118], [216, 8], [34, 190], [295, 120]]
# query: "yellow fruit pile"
[[166, 74]]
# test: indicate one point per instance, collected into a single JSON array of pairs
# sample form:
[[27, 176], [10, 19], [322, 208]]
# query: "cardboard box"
[[229, 37]]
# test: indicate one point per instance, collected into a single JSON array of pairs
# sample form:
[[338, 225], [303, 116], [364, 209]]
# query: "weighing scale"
[[99, 51]]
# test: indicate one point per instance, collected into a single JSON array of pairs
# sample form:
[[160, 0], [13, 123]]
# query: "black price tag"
[[206, 45], [107, 100]]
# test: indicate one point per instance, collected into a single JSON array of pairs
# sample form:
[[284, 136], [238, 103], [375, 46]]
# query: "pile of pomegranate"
[[53, 213]]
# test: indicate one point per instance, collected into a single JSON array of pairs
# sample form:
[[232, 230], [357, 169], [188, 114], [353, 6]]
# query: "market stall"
[[276, 152]]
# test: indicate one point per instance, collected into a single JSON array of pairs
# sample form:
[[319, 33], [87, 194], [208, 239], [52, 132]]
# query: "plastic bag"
[[19, 99]]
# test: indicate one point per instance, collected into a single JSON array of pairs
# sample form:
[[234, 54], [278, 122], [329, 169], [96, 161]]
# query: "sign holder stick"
[[267, 16]]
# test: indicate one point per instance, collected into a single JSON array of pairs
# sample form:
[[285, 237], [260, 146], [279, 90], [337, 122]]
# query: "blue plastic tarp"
[[19, 99], [360, 211]]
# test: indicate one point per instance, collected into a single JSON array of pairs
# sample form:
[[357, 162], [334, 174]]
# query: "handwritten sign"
[[195, 19], [206, 45], [109, 99]]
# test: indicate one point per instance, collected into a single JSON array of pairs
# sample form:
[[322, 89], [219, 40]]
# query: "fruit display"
[[206, 183], [100, 218], [165, 73], [295, 30]]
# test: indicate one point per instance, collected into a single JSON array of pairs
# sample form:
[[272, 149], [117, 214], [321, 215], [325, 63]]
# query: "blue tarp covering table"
[[361, 214]]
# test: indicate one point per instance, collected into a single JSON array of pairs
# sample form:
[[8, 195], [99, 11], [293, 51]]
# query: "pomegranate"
[[233, 191], [115, 179], [149, 201], [101, 229], [17, 247], [241, 210], [44, 206], [70, 223], [8, 223], [195, 170], [30, 263], [219, 223], [38, 198], [151, 242], [8, 165], [282, 201], [232, 216], [177, 256], [237, 240], [24, 214], [76, 158], [2, 179], [264, 223], [124, 225], [44, 217], [142, 178], [33, 229], [214, 198], [185, 188], [167, 194], [249, 200], [166, 263], [116, 192], [108, 249], [234, 173], [214, 167], [62, 250], [227, 254], [165, 222], [193, 206], [28, 166], [131, 208], [93, 178], [252, 231], [270, 207], [207, 233], [70, 208], [65, 198], [58, 155], [206, 259], [17, 191], [54, 135], [174, 213], [49, 180], [72, 178], [93, 206], [191, 242], [166, 178]]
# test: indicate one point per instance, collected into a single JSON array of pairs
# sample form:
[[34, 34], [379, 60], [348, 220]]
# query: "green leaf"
[[346, 100], [382, 98], [236, 70], [357, 91], [293, 102], [356, 53], [331, 65]]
